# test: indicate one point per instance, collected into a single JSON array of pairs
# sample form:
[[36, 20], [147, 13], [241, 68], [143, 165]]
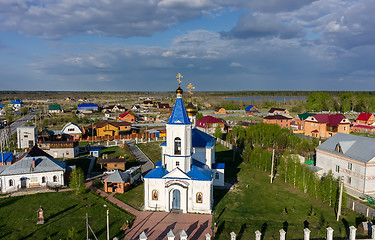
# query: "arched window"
[[177, 146], [55, 178], [154, 194], [10, 183], [199, 197], [43, 179], [217, 176]]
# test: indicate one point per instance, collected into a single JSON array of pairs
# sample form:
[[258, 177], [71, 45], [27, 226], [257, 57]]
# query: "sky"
[[141, 45]]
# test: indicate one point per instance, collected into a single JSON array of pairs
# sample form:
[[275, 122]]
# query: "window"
[[10, 183], [349, 180], [43, 179], [214, 125], [338, 148], [199, 197], [25, 136], [70, 129], [55, 178], [337, 168], [217, 176], [177, 146], [115, 165], [154, 194], [350, 166], [177, 164], [345, 128]]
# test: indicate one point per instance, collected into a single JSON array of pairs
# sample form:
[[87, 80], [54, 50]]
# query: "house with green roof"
[[55, 108]]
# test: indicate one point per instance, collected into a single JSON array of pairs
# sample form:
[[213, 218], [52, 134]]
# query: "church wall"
[[200, 155], [218, 181], [158, 185], [203, 187]]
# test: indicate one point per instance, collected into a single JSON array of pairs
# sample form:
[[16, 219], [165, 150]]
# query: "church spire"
[[179, 91]]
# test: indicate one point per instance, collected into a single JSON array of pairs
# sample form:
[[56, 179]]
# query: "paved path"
[[146, 163], [156, 225]]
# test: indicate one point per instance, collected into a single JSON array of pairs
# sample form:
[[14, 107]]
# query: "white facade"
[[184, 179], [351, 157], [72, 129], [70, 152], [31, 172], [26, 137]]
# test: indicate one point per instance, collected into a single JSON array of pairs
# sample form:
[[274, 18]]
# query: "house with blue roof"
[[6, 158], [88, 106], [251, 109], [16, 104], [183, 181]]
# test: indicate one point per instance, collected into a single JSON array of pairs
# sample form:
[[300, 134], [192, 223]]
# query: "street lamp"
[[107, 221]]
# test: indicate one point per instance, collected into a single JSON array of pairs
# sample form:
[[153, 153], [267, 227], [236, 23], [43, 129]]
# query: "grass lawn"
[[63, 211], [152, 150], [134, 197], [256, 204], [81, 162]]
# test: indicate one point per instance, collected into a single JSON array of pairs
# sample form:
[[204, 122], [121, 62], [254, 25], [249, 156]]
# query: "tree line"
[[256, 143]]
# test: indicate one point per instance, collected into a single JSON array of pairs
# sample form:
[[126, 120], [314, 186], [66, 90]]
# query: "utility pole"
[[273, 158], [107, 223], [87, 226], [340, 199]]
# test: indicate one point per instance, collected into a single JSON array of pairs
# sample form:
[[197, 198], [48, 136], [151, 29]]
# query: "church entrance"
[[176, 200], [23, 182]]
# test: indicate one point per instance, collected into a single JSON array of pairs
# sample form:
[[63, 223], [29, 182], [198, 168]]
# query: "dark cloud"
[[264, 25]]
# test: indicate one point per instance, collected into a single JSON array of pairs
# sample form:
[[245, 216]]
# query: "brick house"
[[278, 111], [326, 125], [280, 120], [365, 118], [127, 117], [209, 124]]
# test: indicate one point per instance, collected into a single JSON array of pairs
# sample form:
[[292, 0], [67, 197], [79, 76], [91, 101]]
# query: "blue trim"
[[218, 165], [177, 155]]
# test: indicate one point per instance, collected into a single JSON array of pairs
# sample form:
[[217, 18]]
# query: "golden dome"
[[191, 109], [179, 90]]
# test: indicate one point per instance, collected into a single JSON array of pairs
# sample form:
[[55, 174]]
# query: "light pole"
[[107, 221]]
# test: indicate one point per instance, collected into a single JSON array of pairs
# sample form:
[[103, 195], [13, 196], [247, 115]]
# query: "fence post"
[[373, 232], [170, 235], [183, 235], [143, 236], [306, 234], [353, 205], [329, 233], [208, 236], [367, 211], [233, 236], [258, 235], [352, 232], [282, 234]]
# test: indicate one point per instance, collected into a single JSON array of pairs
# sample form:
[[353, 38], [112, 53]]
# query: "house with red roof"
[[208, 124], [127, 117], [281, 120], [365, 118], [326, 125]]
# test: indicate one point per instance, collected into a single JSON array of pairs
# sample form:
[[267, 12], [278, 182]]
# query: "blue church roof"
[[202, 139], [179, 115], [158, 164], [157, 172], [197, 173]]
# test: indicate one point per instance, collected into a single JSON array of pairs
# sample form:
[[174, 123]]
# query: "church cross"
[[179, 76], [190, 87]]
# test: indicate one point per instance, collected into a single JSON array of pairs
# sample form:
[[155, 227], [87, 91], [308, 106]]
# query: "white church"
[[183, 181]]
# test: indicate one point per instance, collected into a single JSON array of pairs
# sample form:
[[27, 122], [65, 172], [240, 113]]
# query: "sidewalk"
[[156, 225]]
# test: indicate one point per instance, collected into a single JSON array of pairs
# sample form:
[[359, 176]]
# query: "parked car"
[[110, 171]]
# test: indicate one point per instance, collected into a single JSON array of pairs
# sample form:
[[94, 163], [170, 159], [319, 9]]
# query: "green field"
[[63, 211], [256, 204], [152, 150], [134, 197]]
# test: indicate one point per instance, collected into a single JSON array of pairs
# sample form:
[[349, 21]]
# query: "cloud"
[[235, 64], [264, 25]]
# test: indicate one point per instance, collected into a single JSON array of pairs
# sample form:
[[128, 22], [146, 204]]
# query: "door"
[[23, 182], [176, 199]]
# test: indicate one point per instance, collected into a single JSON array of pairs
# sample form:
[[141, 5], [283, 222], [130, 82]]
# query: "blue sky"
[[128, 45]]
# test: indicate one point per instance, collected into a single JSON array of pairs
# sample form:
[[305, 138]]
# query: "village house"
[[111, 128], [351, 157], [147, 104], [114, 108], [163, 106], [326, 125], [73, 130], [6, 158], [2, 110], [297, 124], [30, 172], [60, 149], [112, 163], [251, 110], [365, 119], [55, 108], [281, 120], [278, 111], [26, 136], [127, 117], [220, 110], [16, 105], [117, 182], [49, 135], [208, 124], [88, 107]]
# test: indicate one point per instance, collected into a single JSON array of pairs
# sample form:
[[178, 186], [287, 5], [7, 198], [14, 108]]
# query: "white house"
[[72, 129], [352, 157], [32, 172], [26, 137], [16, 105], [60, 149], [183, 181]]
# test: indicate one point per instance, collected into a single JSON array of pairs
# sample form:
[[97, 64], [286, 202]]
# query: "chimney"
[[33, 165]]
